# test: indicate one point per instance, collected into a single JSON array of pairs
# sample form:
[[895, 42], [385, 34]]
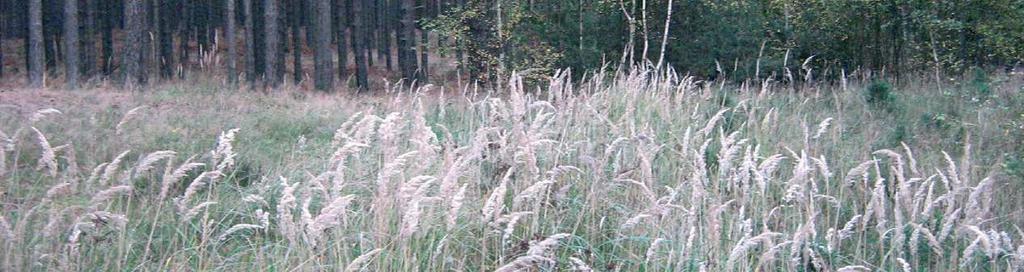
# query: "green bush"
[[880, 94]]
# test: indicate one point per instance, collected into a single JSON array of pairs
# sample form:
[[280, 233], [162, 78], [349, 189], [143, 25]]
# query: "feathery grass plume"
[[796, 191], [330, 216], [933, 242], [849, 228], [126, 118], [208, 177], [40, 114], [822, 165], [101, 197], [948, 223], [192, 212], [361, 261], [285, 205], [108, 218], [652, 250], [729, 148], [634, 221], [393, 168], [112, 168], [94, 176], [745, 245], [224, 154], [496, 201], [537, 191], [238, 228], [911, 159], [853, 268], [454, 206], [953, 174], [389, 131], [414, 186], [710, 126], [822, 128], [412, 213], [341, 134], [548, 245], [48, 158], [579, 265], [56, 191], [977, 201], [169, 180], [860, 172], [147, 163], [363, 130], [989, 249], [527, 263], [510, 224]]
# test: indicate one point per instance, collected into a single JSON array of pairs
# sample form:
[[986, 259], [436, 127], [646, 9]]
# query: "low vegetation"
[[619, 172]]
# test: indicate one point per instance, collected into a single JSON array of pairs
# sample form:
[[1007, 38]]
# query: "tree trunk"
[[108, 37], [358, 34], [135, 46], [88, 44], [341, 22], [229, 36], [270, 39], [166, 40], [35, 43], [407, 41], [71, 56], [384, 29], [185, 36], [201, 20], [424, 41], [295, 15], [250, 44], [324, 58]]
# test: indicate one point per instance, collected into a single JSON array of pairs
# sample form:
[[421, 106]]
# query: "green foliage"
[[880, 94], [740, 38]]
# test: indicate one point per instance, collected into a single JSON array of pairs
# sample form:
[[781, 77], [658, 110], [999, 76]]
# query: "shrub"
[[880, 94]]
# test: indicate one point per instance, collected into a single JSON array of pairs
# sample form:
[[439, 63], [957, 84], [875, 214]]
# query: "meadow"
[[628, 171]]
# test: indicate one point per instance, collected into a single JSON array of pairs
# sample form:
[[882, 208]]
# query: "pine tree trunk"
[[71, 56], [229, 36], [424, 42], [407, 41], [135, 45], [341, 22], [185, 36], [424, 59], [201, 19], [88, 44], [166, 40], [108, 37], [370, 24], [295, 14], [381, 31], [35, 43], [250, 43], [271, 41], [358, 36], [324, 58]]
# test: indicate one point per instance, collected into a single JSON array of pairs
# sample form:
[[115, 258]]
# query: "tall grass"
[[620, 172]]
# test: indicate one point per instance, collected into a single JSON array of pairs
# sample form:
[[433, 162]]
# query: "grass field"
[[620, 172]]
